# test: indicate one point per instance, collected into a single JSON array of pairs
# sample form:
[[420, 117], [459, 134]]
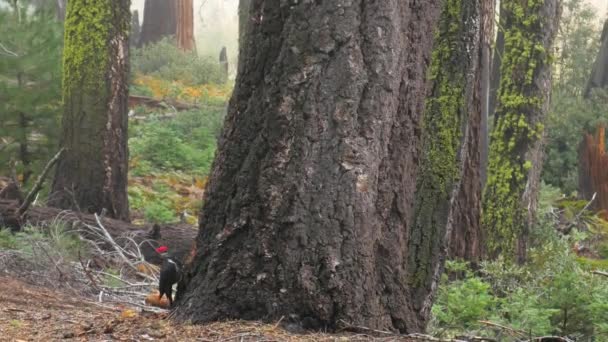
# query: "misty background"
[[215, 25]]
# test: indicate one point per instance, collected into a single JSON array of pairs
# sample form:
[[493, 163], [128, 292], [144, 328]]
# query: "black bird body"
[[170, 273]]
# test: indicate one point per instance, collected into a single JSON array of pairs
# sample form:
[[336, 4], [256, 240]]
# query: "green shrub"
[[165, 60], [159, 212]]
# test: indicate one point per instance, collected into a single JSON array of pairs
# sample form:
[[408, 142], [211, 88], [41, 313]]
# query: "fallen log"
[[179, 238], [136, 100]]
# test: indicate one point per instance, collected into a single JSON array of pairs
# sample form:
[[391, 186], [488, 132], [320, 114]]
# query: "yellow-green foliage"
[[516, 127], [444, 113], [86, 46]]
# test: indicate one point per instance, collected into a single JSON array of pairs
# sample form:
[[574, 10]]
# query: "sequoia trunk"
[[160, 20], [92, 173], [185, 25], [308, 206]]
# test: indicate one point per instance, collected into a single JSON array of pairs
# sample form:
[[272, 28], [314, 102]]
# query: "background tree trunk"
[[307, 209], [224, 63], [135, 29], [160, 20], [92, 173], [593, 164], [466, 239], [487, 38], [185, 25], [497, 55], [511, 194], [60, 8], [599, 73]]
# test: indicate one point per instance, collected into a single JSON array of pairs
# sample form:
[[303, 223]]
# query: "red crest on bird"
[[162, 249]]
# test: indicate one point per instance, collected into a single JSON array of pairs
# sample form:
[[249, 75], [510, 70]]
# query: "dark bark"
[[92, 173], [185, 25], [516, 149], [599, 73], [245, 20], [308, 206], [159, 21], [466, 240], [224, 63], [24, 153]]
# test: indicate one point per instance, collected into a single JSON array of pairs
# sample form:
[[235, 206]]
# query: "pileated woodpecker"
[[170, 273]]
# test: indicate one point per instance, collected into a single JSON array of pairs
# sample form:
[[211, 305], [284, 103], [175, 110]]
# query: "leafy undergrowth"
[[171, 155], [559, 291]]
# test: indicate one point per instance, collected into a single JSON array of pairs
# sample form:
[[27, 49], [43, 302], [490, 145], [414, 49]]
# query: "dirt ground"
[[30, 313]]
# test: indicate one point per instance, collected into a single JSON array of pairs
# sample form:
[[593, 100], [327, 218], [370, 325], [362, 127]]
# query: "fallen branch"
[[152, 102], [38, 185], [605, 274], [521, 333], [550, 338]]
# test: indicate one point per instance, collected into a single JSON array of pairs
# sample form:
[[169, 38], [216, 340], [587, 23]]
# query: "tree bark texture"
[[308, 206], [464, 222], [599, 73], [592, 176], [515, 161], [245, 20], [487, 37], [160, 20], [185, 25], [92, 173]]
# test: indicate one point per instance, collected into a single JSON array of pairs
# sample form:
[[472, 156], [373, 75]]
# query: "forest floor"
[[32, 313]]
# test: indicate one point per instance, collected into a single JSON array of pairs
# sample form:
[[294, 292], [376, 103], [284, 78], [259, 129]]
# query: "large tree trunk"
[[466, 238], [308, 206], [511, 193], [92, 174], [160, 20], [185, 25], [244, 25], [599, 74]]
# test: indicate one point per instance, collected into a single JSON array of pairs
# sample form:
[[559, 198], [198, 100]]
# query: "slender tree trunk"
[[511, 194], [599, 74], [224, 63], [92, 174], [308, 206], [135, 29], [487, 37], [466, 240], [499, 50], [160, 20], [185, 25], [60, 8]]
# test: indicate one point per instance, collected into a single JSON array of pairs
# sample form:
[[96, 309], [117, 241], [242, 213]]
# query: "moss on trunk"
[[529, 31]]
